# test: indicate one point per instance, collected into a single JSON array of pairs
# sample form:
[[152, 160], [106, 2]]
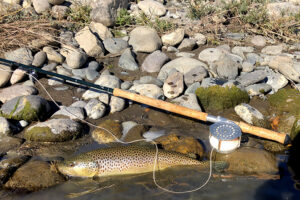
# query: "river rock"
[[257, 89], [115, 45], [53, 56], [184, 66], [95, 109], [91, 74], [154, 61], [284, 65], [54, 130], [276, 80], [187, 44], [79, 72], [106, 11], [39, 59], [17, 76], [282, 9], [144, 39], [296, 128], [173, 85], [50, 67], [56, 2], [252, 77], [64, 71], [70, 112], [126, 85], [89, 42], [75, 58], [248, 65], [21, 55], [200, 38], [152, 8], [104, 98], [188, 100], [100, 30], [59, 12], [250, 115], [5, 75], [5, 126], [135, 133], [127, 61], [249, 161], [153, 134], [116, 104], [211, 55], [27, 179], [173, 38], [29, 108], [192, 88], [151, 80], [272, 50], [126, 126], [80, 104], [104, 136], [110, 81], [41, 6], [238, 50], [149, 90], [11, 92], [9, 143], [185, 54], [226, 68], [258, 41]]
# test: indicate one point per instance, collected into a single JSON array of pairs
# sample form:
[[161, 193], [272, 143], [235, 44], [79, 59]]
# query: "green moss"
[[220, 98], [44, 134], [285, 100], [296, 128]]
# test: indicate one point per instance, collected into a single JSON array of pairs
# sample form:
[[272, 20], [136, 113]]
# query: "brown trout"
[[123, 160]]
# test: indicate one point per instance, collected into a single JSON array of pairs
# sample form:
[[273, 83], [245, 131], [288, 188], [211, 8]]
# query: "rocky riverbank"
[[242, 76]]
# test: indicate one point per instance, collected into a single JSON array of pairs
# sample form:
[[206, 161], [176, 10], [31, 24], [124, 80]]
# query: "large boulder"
[[54, 130], [144, 39], [28, 108]]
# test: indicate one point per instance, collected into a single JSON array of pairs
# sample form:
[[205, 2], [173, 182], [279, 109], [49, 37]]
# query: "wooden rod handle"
[[264, 133], [161, 104], [246, 128]]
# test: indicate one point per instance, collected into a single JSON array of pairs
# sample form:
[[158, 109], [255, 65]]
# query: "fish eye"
[[72, 164]]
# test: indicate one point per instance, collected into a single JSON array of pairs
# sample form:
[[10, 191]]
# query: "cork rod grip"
[[161, 104]]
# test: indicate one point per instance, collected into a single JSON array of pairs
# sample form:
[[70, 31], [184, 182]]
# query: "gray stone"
[[258, 40], [79, 72], [211, 55], [63, 88], [144, 39], [149, 90], [95, 109], [187, 44], [172, 49], [115, 45], [152, 8], [41, 5], [272, 50], [226, 68], [28, 108], [75, 58], [188, 100], [207, 82], [63, 71], [89, 42], [56, 2], [5, 75], [254, 57], [248, 113], [23, 123], [67, 38], [104, 98], [53, 56], [80, 104], [151, 80], [21, 55], [258, 89], [94, 65], [70, 112], [276, 80], [91, 74], [200, 38], [11, 92], [59, 12], [116, 104], [154, 61], [126, 126], [183, 65], [151, 135], [100, 30], [17, 76], [50, 67], [105, 11], [173, 38], [110, 81], [5, 127], [173, 85], [54, 130], [248, 66], [196, 74], [185, 54], [39, 59], [127, 61], [126, 85], [235, 36], [252, 77], [192, 88], [238, 50]]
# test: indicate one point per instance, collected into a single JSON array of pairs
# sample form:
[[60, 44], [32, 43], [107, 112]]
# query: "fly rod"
[[282, 138]]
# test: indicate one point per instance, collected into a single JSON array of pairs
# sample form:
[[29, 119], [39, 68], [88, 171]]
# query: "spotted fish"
[[122, 160]]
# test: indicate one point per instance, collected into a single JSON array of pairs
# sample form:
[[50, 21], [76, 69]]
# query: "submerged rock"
[[249, 161], [103, 134], [8, 143], [34, 175], [95, 109], [135, 133], [28, 108], [219, 98], [54, 130], [296, 128]]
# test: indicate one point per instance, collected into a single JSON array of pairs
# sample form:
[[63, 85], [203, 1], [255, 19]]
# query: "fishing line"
[[122, 142]]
